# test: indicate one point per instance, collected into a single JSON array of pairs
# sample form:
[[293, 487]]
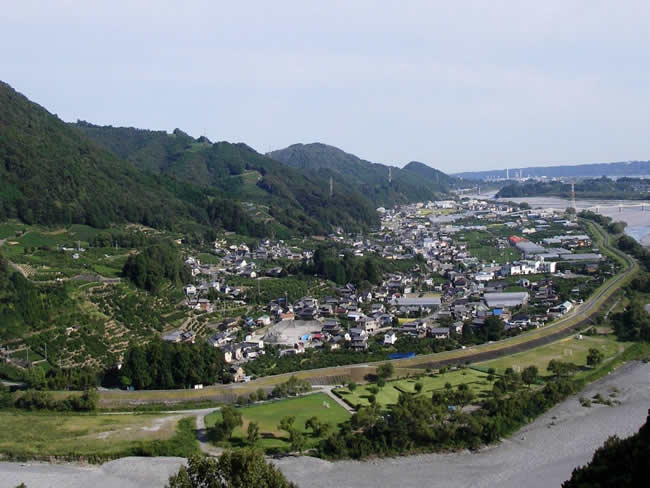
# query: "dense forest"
[[605, 188], [164, 365], [155, 266], [415, 182], [288, 197], [54, 173]]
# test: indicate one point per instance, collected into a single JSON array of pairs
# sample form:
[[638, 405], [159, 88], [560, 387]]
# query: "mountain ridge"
[[383, 184], [295, 199]]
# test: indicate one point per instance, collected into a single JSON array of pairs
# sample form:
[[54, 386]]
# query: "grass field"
[[388, 395], [570, 349], [39, 435], [268, 416]]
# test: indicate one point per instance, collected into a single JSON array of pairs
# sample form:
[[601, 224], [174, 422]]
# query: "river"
[[635, 213], [540, 455]]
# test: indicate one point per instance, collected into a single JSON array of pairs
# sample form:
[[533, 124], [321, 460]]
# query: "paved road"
[[327, 389]]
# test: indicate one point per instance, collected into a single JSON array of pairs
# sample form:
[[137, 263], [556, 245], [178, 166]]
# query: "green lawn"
[[570, 349], [42, 434], [388, 395], [268, 416]]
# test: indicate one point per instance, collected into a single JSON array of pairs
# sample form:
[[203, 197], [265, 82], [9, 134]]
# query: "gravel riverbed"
[[542, 454]]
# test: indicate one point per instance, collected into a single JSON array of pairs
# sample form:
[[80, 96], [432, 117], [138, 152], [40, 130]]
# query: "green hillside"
[[371, 179], [51, 174], [296, 199]]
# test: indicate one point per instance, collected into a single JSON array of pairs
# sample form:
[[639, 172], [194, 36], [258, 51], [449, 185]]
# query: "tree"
[[418, 387], [594, 357], [616, 227], [314, 424], [286, 424], [529, 375], [352, 386], [385, 370], [231, 418], [243, 468], [492, 329], [560, 368], [253, 433], [297, 441]]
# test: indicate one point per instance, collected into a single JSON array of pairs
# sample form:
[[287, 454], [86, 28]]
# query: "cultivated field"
[[269, 415]]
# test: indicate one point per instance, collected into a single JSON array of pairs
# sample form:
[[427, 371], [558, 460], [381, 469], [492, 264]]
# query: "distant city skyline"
[[461, 87]]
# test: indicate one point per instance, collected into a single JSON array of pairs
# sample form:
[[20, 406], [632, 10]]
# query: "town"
[[461, 272]]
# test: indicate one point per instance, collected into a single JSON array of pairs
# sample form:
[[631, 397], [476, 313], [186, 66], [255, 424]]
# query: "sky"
[[467, 85]]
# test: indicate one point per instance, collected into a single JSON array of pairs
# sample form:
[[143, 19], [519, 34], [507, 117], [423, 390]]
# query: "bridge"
[[620, 206]]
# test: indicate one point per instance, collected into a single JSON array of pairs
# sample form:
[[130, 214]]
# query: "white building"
[[390, 339]]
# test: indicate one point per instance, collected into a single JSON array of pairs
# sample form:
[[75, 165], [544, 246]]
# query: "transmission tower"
[[573, 200], [331, 187], [390, 175]]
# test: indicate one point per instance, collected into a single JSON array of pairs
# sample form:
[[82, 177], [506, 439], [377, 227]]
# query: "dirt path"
[[202, 435]]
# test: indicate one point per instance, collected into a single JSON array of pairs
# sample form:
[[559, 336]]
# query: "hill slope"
[[297, 199], [52, 174], [371, 179]]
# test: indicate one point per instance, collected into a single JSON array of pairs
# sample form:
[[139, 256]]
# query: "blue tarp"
[[401, 355]]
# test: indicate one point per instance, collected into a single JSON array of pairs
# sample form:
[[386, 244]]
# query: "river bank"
[[541, 454], [635, 213]]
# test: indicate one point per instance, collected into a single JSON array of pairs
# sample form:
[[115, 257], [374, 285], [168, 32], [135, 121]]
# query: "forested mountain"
[[371, 179], [273, 191], [52, 174], [594, 170], [621, 189]]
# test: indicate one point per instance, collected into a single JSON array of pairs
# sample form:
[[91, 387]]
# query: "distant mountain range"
[[593, 170], [383, 185]]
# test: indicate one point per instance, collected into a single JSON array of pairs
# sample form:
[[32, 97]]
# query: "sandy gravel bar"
[[540, 455]]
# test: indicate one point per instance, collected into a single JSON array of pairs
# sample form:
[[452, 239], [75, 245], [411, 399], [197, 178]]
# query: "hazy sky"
[[457, 85]]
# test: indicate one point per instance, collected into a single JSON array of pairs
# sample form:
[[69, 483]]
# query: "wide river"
[[542, 454], [635, 213]]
